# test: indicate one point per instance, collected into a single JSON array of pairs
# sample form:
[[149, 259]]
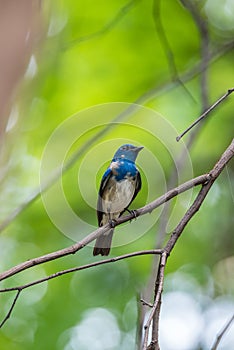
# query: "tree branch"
[[83, 267], [221, 334], [147, 96], [166, 46], [106, 28], [101, 230], [202, 27], [11, 309], [206, 180], [214, 173], [159, 290], [204, 115]]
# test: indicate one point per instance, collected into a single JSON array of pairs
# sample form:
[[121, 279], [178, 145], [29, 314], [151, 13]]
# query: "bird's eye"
[[124, 148]]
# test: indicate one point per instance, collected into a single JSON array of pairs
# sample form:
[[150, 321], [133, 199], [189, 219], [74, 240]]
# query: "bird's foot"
[[112, 223], [132, 212]]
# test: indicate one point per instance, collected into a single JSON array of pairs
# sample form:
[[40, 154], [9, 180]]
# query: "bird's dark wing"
[[138, 186], [106, 177]]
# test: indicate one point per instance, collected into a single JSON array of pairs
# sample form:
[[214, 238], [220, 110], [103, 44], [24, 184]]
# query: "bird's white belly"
[[118, 197]]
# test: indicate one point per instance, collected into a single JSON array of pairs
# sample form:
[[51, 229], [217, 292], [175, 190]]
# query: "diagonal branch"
[[202, 27], [205, 180], [106, 28], [204, 115], [163, 223], [83, 267], [166, 46], [147, 96], [101, 230], [214, 173], [222, 333], [11, 309]]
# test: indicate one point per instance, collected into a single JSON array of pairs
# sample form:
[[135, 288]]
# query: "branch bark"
[[92, 236], [221, 334], [214, 173], [158, 293], [205, 180], [83, 267]]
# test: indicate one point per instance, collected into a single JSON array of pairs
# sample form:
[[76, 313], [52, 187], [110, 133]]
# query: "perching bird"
[[119, 186]]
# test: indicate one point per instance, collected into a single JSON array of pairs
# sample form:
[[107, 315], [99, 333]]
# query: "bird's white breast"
[[118, 196]]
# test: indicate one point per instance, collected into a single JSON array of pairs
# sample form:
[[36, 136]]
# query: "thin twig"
[[101, 230], [83, 267], [164, 41], [202, 27], [222, 333], [146, 303], [205, 56], [166, 46], [154, 344], [106, 28], [147, 96], [157, 298], [11, 309], [206, 180], [214, 173], [186, 76], [221, 99], [55, 176]]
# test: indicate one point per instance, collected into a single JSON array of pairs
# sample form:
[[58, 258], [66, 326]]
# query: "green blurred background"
[[97, 53]]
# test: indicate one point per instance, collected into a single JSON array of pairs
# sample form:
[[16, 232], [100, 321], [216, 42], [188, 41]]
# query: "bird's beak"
[[138, 149]]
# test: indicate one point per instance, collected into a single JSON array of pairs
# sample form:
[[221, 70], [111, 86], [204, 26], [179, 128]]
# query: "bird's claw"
[[132, 212], [112, 223]]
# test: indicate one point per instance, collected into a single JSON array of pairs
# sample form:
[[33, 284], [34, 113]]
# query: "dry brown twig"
[[204, 115]]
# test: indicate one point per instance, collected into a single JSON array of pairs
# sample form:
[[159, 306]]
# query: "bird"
[[119, 186]]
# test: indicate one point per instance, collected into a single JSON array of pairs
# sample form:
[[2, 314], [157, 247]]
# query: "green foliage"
[[94, 53]]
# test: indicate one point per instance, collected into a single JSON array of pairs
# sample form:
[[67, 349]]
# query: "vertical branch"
[[202, 27], [204, 37], [155, 325], [166, 45], [140, 322], [156, 305], [205, 55], [163, 40], [154, 315]]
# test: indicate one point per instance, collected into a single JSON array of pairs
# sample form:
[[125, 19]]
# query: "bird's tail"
[[103, 243]]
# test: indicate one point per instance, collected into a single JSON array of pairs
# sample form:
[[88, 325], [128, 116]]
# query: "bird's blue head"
[[128, 152]]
